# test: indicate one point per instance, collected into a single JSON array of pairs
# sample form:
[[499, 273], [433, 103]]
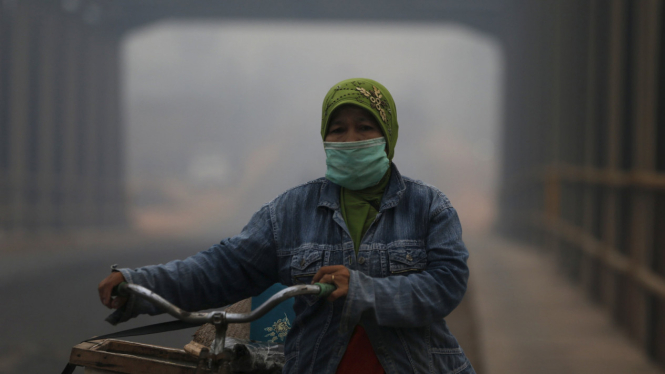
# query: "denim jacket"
[[409, 273]]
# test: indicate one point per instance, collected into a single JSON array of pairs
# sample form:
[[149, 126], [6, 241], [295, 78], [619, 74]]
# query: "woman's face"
[[350, 123]]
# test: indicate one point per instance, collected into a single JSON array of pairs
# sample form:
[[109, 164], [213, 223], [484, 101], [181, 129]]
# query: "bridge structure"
[[583, 136], [61, 165]]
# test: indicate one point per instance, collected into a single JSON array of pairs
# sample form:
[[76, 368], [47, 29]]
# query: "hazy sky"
[[239, 103]]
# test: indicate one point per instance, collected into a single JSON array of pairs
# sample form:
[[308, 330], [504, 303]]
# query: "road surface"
[[49, 302]]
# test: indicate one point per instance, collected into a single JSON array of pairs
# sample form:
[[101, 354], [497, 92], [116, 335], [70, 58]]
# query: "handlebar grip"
[[326, 289], [120, 289]]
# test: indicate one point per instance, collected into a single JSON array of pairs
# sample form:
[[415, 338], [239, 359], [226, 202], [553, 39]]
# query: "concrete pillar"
[[6, 24], [59, 119], [615, 113], [588, 270], [117, 171], [552, 183], [91, 86], [111, 145], [19, 84], [68, 181], [49, 35], [103, 132], [644, 156]]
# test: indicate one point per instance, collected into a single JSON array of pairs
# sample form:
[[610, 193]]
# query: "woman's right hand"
[[106, 287]]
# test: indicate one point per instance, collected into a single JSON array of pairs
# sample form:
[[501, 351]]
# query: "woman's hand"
[[337, 275], [106, 286]]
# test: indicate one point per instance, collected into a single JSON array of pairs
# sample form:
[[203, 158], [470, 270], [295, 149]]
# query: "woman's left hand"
[[337, 275]]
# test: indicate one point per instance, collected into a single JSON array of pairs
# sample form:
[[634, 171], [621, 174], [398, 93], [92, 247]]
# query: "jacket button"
[[408, 257], [302, 262], [361, 260]]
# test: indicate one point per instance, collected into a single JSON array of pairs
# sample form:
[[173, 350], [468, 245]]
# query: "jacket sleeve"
[[234, 269], [416, 299]]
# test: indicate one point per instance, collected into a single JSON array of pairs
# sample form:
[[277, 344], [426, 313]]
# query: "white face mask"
[[356, 165]]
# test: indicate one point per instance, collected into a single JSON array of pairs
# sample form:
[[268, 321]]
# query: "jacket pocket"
[[407, 260], [305, 264], [451, 361]]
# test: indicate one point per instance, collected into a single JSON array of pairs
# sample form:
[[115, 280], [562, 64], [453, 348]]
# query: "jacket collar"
[[329, 196]]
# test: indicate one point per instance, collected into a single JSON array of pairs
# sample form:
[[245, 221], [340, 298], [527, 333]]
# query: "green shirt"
[[359, 208]]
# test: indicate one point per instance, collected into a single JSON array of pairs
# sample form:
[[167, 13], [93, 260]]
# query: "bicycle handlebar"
[[199, 318], [221, 318]]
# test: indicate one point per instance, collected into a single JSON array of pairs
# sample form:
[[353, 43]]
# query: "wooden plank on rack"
[[128, 357]]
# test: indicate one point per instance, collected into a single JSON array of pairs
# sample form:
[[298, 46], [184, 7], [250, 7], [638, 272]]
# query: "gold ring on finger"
[[333, 277]]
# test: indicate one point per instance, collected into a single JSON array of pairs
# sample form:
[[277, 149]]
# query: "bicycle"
[[117, 356]]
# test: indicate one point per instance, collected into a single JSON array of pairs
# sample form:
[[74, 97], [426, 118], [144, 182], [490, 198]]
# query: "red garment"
[[359, 356]]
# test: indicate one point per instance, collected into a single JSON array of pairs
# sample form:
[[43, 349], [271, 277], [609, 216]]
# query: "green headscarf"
[[370, 95], [359, 208]]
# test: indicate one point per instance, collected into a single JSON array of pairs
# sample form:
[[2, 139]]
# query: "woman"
[[392, 246]]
